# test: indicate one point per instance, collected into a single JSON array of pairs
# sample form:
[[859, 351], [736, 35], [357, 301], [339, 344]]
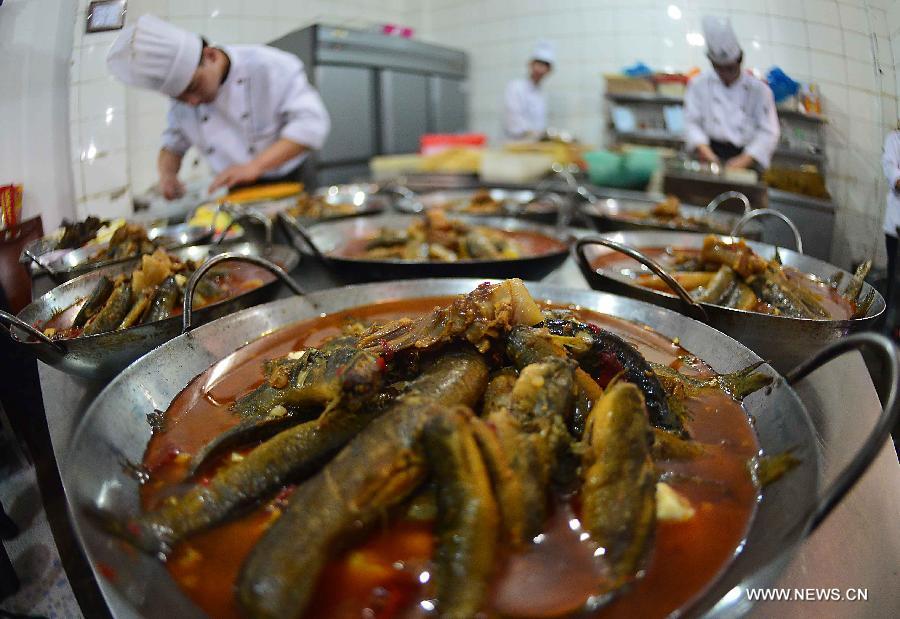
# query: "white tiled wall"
[[115, 130], [33, 105], [826, 41]]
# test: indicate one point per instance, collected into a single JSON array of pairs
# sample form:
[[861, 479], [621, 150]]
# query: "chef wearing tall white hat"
[[730, 116], [524, 103], [248, 108]]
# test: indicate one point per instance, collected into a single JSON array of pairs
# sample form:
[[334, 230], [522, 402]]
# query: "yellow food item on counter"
[[457, 160], [203, 217], [258, 193]]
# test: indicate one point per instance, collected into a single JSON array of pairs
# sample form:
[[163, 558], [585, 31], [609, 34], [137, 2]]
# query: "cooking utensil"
[[78, 261], [325, 241], [105, 354], [525, 203], [114, 430], [609, 214], [365, 200], [781, 340]]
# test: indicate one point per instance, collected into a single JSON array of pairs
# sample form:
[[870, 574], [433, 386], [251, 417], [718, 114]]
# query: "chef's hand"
[[739, 162], [705, 153], [236, 175], [171, 187]]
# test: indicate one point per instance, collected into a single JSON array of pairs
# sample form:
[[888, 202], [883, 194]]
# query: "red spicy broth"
[[388, 574]]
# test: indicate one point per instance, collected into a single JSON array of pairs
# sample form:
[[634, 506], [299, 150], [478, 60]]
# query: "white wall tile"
[[853, 18], [93, 62], [827, 67], [787, 31], [107, 133], [822, 12], [793, 9], [825, 38], [105, 174], [186, 8], [861, 75], [232, 8], [857, 46], [97, 97]]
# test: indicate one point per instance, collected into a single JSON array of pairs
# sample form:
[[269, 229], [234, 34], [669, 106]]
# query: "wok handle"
[[888, 384], [300, 231], [238, 215], [14, 321], [693, 308], [768, 212], [188, 304], [725, 197]]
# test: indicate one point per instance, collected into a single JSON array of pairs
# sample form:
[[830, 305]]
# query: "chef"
[[730, 115], [524, 103], [248, 109]]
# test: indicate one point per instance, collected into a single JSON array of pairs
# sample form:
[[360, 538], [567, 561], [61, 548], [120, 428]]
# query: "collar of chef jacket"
[[241, 122]]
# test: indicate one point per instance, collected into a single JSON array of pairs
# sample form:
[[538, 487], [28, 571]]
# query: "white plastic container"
[[503, 167]]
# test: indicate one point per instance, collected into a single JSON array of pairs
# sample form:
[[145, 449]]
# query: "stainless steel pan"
[[609, 214], [542, 207], [105, 354], [78, 261], [115, 431], [365, 198], [781, 340], [324, 240]]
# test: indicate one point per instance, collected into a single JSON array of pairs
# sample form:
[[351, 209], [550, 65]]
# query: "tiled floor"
[[45, 590]]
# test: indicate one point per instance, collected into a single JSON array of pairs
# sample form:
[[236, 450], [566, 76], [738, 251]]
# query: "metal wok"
[[524, 203], [115, 430], [78, 261], [105, 354], [325, 240], [781, 340], [365, 198], [609, 214]]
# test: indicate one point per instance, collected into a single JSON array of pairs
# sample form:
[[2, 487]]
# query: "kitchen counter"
[[857, 547]]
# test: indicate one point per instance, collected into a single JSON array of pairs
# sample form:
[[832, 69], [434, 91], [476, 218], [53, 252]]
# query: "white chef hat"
[[156, 55], [544, 51], [722, 46]]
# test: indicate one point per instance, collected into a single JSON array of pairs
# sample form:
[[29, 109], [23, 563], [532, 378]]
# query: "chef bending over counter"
[[249, 109]]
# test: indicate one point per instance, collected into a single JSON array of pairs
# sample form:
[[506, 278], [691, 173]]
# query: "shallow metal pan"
[[105, 354], [114, 431], [610, 214], [781, 340], [324, 239], [366, 199], [78, 261], [524, 203]]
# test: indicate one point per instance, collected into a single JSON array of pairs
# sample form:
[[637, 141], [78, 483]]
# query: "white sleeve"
[[694, 134], [515, 124], [173, 138], [768, 131], [890, 160], [306, 120]]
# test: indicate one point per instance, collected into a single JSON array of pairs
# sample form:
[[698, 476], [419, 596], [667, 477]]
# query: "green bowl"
[[638, 165], [604, 168]]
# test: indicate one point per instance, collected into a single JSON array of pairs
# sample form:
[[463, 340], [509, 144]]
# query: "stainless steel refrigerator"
[[382, 92]]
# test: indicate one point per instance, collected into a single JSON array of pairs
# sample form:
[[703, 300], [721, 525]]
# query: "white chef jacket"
[[743, 114], [524, 109], [890, 163], [265, 97]]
